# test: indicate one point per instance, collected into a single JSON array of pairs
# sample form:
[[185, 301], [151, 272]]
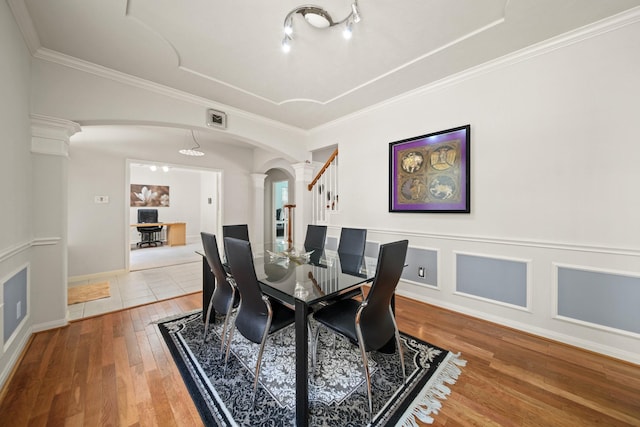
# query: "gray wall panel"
[[426, 258], [331, 243], [602, 298], [14, 291], [495, 279], [371, 249]]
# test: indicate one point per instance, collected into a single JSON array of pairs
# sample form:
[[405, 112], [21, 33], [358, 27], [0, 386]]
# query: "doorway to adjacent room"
[[280, 198]]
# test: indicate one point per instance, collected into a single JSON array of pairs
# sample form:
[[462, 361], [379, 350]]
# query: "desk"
[[176, 231], [301, 285]]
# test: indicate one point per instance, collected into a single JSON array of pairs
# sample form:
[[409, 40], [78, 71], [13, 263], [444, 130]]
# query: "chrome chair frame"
[[251, 320], [338, 317], [223, 279]]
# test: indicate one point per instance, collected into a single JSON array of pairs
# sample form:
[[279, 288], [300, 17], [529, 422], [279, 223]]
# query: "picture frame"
[[431, 173], [145, 195]]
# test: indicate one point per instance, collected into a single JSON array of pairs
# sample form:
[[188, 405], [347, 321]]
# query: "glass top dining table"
[[309, 276], [301, 279]]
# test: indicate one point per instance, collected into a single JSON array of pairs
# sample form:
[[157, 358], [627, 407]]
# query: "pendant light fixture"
[[193, 151]]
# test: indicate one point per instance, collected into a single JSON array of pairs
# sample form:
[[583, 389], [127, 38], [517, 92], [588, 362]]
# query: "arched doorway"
[[279, 190]]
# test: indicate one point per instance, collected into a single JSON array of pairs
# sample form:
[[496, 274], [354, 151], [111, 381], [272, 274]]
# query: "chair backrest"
[[239, 231], [223, 292], [376, 321], [352, 241], [251, 319], [315, 238], [351, 264], [147, 215]]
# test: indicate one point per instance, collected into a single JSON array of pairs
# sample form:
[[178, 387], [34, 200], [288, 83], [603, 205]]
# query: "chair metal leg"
[[264, 341], [258, 365], [365, 365], [207, 318], [314, 350], [223, 339], [229, 340], [226, 317], [399, 345]]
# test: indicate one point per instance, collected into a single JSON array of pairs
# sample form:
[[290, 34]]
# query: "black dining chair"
[[352, 241], [224, 298], [257, 316], [237, 231], [351, 249], [369, 324], [351, 264], [315, 237]]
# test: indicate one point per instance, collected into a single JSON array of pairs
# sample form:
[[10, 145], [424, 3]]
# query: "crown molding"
[[25, 24], [50, 135], [120, 77]]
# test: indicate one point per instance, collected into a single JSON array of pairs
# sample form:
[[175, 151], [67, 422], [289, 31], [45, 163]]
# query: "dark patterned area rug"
[[337, 392]]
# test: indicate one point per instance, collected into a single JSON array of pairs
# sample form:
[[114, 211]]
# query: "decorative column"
[[304, 175], [50, 160], [256, 230]]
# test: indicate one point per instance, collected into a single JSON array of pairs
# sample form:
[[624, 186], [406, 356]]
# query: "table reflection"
[[310, 275]]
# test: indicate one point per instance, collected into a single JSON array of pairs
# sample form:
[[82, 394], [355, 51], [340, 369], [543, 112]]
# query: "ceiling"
[[229, 52]]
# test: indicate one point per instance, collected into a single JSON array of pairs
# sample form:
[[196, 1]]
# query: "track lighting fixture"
[[319, 18]]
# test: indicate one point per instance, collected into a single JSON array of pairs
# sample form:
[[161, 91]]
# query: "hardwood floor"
[[115, 370]]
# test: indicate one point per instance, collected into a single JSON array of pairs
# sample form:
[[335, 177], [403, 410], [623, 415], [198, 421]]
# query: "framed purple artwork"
[[431, 173]]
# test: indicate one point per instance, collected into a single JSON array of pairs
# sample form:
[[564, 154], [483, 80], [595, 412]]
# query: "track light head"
[[317, 17]]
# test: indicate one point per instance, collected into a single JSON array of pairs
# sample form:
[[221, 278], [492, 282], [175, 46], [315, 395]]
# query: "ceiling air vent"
[[216, 119]]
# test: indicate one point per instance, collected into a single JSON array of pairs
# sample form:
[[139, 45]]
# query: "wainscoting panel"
[[331, 243], [501, 280], [417, 258], [14, 290], [602, 298], [371, 249]]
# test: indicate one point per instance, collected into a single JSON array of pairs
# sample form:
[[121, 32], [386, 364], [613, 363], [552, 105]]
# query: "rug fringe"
[[429, 402], [174, 317]]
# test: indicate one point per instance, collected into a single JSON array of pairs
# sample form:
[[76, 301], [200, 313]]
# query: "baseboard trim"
[[49, 325], [95, 275], [14, 361], [555, 336]]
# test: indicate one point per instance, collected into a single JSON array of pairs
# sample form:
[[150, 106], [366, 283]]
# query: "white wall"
[[99, 233], [210, 202], [554, 175], [15, 173], [96, 231]]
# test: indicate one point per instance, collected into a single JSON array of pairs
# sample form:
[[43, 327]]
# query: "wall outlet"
[[421, 272], [101, 199], [18, 310]]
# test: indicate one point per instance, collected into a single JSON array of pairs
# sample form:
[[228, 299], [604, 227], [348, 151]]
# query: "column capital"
[[50, 135], [258, 179], [304, 171]]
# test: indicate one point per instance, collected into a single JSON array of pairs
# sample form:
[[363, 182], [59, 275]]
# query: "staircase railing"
[[325, 190]]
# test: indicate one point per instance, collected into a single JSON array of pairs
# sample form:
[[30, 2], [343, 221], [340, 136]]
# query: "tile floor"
[[143, 286]]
